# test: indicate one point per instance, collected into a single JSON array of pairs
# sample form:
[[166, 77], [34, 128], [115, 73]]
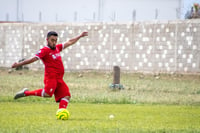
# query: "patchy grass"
[[161, 103], [93, 87]]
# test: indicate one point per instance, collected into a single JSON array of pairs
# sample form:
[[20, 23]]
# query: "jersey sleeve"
[[60, 47], [40, 54]]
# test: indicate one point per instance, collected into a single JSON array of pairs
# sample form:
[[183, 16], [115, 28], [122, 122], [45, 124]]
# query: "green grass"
[[164, 103], [40, 117]]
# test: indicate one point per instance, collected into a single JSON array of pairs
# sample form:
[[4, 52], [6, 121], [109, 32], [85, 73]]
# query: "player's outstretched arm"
[[74, 40], [25, 62]]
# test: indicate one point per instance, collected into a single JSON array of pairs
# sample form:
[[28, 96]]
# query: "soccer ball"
[[62, 114]]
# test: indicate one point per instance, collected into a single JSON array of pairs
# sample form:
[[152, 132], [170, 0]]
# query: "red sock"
[[34, 93], [63, 103]]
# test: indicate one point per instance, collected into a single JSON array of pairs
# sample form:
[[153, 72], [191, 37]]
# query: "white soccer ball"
[[111, 116]]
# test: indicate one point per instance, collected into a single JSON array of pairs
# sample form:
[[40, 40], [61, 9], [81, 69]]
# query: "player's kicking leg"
[[48, 91], [25, 92]]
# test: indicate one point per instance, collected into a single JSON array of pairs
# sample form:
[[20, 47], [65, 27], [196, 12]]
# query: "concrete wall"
[[171, 46]]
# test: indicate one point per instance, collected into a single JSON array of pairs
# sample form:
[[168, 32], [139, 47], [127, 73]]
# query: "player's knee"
[[47, 95], [68, 97]]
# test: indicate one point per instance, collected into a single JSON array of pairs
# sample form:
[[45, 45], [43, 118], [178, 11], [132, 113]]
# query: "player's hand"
[[14, 65], [84, 34]]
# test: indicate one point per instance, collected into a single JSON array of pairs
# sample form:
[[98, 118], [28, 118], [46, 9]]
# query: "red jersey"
[[52, 61]]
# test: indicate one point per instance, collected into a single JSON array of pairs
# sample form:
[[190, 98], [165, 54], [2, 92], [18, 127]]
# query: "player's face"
[[52, 41]]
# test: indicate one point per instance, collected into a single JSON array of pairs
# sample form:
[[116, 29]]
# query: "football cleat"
[[20, 93]]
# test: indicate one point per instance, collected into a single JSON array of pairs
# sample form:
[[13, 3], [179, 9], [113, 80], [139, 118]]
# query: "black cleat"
[[20, 93]]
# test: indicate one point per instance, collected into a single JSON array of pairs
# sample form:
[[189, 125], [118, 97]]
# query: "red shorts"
[[57, 87]]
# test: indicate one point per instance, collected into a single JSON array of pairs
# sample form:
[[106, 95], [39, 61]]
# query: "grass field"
[[161, 103]]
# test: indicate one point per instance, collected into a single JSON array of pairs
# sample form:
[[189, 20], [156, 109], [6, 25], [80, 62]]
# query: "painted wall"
[[171, 46]]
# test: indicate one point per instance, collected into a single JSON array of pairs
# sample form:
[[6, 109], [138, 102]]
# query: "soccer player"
[[54, 70]]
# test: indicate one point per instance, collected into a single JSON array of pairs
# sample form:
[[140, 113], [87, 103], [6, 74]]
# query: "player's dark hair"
[[52, 33]]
